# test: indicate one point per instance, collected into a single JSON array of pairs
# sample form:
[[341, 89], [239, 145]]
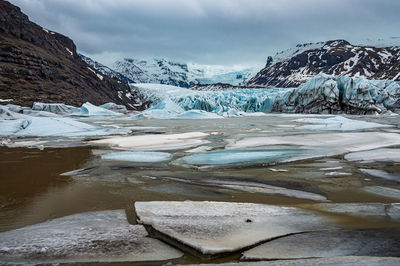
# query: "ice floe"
[[218, 227], [144, 157], [381, 174], [330, 261], [57, 108], [329, 243], [229, 158], [53, 126], [114, 107], [156, 141], [104, 236], [337, 123], [88, 109], [377, 155], [365, 209], [383, 191], [334, 142]]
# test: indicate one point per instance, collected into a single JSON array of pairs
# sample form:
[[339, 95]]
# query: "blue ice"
[[144, 157], [237, 157]]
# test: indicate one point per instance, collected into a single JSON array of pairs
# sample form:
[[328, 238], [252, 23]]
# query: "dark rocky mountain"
[[37, 64], [295, 66]]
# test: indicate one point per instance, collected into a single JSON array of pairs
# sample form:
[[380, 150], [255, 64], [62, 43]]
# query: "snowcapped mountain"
[[292, 67], [105, 70], [164, 71]]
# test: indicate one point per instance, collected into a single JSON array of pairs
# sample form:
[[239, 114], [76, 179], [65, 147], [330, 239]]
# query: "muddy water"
[[32, 189]]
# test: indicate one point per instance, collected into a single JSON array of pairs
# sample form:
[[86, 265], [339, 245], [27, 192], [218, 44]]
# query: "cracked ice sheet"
[[218, 227], [333, 143], [378, 155], [156, 141], [330, 243], [337, 123], [104, 236]]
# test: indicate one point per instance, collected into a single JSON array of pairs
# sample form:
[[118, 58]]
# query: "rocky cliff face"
[[293, 67], [37, 64]]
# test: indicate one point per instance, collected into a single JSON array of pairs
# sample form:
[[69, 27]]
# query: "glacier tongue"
[[322, 94]]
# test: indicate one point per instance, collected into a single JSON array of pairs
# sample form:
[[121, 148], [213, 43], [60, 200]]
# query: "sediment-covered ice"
[[329, 243], [377, 155], [218, 227], [337, 123], [144, 157], [365, 209], [381, 174], [104, 236], [57, 108], [156, 141], [383, 191]]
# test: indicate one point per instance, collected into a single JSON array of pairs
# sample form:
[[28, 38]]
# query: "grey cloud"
[[210, 31]]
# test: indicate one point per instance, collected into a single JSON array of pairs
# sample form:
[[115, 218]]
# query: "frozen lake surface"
[[108, 162]]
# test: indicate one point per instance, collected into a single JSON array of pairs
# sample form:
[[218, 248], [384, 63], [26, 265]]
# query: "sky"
[[213, 32]]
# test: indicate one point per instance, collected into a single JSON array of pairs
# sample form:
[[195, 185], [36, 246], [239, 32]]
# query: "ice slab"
[[114, 107], [197, 114], [104, 236], [337, 123], [378, 155], [253, 187], [156, 141], [90, 110], [273, 190], [378, 210], [332, 261], [144, 157], [57, 108], [219, 227], [381, 174], [335, 142], [31, 126], [330, 243], [383, 191], [229, 158]]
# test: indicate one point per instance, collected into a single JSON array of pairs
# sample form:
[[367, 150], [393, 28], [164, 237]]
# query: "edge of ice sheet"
[[218, 227], [144, 157], [155, 141], [337, 123], [104, 236]]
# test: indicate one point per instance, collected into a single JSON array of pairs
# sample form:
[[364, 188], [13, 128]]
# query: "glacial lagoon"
[[271, 159], [199, 177]]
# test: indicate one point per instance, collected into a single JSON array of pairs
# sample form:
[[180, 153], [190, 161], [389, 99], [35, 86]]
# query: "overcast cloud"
[[221, 32]]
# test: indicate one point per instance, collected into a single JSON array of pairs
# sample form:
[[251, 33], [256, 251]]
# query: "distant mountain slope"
[[295, 66], [164, 71], [37, 64], [105, 70]]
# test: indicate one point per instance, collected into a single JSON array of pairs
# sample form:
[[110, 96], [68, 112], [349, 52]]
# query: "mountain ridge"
[[40, 65], [294, 66]]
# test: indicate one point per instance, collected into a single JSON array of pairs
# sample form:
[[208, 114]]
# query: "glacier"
[[323, 94]]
